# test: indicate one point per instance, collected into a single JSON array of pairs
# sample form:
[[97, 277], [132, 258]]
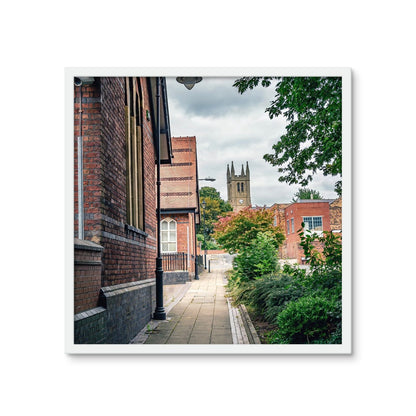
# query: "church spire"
[[242, 170], [232, 169], [247, 170], [228, 172]]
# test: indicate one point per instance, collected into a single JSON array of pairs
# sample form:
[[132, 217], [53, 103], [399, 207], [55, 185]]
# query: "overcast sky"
[[234, 127]]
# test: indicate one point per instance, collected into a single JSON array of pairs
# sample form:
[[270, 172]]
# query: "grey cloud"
[[229, 128], [216, 97]]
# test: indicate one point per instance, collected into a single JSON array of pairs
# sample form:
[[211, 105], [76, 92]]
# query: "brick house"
[[115, 193], [279, 220], [180, 211], [317, 215], [335, 213]]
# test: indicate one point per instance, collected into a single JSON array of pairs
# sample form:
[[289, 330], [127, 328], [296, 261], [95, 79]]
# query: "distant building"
[[279, 220], [314, 213], [238, 187], [318, 215], [335, 213], [180, 211]]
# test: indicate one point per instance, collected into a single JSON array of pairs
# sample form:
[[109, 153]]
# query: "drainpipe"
[[78, 83]]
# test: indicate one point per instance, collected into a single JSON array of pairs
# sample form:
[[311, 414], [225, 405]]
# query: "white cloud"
[[234, 127]]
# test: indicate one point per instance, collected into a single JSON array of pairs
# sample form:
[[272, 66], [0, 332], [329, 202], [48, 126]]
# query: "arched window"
[[168, 231], [242, 187], [134, 155], [238, 186]]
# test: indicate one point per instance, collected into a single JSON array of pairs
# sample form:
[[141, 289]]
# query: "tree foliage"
[[258, 258], [238, 229], [312, 107], [306, 307], [215, 207], [306, 193]]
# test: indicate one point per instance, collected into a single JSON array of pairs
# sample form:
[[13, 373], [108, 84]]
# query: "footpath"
[[199, 313]]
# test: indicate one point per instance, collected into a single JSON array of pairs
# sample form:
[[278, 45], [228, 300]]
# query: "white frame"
[[344, 348], [168, 221], [313, 231]]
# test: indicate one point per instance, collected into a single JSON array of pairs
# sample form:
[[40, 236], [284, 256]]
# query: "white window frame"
[[313, 219], [169, 236]]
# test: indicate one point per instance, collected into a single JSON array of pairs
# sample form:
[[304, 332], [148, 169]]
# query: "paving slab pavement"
[[200, 317], [200, 314]]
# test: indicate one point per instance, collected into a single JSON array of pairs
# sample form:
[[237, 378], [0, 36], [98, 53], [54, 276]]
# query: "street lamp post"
[[160, 313], [209, 179], [205, 244]]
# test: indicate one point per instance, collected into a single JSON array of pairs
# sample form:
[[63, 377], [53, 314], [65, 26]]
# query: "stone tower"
[[238, 187]]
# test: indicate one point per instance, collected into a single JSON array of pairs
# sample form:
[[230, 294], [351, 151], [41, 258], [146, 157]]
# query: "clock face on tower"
[[240, 201]]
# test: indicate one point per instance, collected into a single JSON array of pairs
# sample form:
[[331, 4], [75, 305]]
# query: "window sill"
[[135, 230]]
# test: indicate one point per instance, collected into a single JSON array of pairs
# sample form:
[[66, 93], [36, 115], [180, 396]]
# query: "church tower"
[[238, 187]]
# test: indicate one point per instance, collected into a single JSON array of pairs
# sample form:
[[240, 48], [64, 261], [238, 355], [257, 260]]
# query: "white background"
[[39, 39]]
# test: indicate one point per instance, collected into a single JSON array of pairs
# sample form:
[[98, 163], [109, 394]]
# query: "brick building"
[[279, 220], [335, 213], [115, 205], [314, 214], [180, 210], [318, 216]]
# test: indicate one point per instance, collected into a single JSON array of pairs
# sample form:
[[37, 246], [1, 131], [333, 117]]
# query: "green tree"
[[237, 230], [306, 193], [258, 258], [210, 192], [312, 107], [215, 207]]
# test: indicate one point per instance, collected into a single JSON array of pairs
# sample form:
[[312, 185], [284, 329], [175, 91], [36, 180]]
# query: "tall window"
[[168, 230], [238, 186], [134, 156], [242, 187], [288, 227], [293, 225], [313, 225]]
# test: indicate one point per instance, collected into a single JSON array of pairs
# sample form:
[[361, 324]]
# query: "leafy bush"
[[305, 306], [240, 291], [271, 294], [238, 229], [310, 319], [258, 258]]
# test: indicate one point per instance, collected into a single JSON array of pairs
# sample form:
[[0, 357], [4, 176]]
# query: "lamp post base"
[[160, 314]]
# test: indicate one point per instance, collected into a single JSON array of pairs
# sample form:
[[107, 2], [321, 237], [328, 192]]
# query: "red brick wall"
[[129, 255], [184, 222], [297, 211], [279, 221], [87, 276], [335, 211], [91, 127]]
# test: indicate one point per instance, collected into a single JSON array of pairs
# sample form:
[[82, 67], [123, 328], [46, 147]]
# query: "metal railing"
[[175, 261]]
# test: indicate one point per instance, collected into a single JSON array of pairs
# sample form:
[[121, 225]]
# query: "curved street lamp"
[[209, 179], [204, 204]]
